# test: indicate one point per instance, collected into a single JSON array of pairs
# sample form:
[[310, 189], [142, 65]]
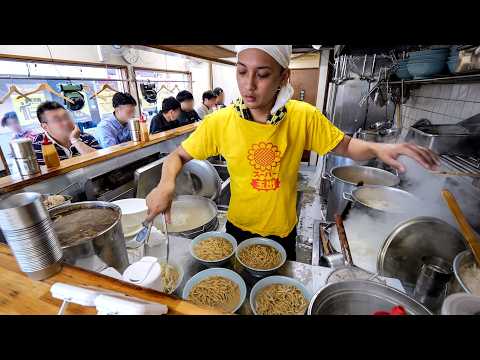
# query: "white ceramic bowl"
[[261, 241], [283, 280], [206, 235], [134, 212], [229, 274]]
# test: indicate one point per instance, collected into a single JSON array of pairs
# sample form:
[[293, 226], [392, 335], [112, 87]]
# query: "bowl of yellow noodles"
[[213, 248], [260, 256]]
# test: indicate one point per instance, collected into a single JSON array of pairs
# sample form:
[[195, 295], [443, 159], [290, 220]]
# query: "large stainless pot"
[[205, 216], [107, 249], [344, 180], [375, 198], [403, 249], [361, 297]]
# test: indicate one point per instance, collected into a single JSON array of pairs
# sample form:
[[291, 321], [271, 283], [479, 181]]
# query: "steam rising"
[[366, 233]]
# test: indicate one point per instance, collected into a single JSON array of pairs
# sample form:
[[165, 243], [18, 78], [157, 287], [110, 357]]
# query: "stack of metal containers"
[[28, 229]]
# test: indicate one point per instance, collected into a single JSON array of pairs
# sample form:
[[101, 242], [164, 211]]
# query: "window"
[[27, 76], [166, 83]]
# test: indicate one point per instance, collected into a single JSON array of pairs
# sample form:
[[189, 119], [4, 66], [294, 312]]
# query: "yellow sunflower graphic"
[[264, 156]]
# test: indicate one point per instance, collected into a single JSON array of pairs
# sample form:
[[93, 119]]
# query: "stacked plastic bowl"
[[453, 59], [402, 71], [29, 232], [426, 63]]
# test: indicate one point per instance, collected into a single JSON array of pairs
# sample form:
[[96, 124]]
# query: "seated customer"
[[114, 130], [220, 97], [10, 120], [167, 118], [62, 132], [187, 115], [208, 102]]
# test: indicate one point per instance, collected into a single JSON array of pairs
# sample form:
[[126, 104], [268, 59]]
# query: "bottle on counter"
[[50, 155], [144, 131]]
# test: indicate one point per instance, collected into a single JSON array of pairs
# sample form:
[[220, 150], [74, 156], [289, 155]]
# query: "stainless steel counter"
[[313, 277]]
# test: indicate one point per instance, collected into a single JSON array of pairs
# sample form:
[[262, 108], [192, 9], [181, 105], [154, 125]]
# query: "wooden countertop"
[[12, 183], [20, 295]]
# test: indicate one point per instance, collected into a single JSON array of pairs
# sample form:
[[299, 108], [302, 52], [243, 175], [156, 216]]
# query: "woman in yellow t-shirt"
[[262, 136]]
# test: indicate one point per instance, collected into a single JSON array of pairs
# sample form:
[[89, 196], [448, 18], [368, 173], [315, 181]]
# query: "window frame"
[[138, 82]]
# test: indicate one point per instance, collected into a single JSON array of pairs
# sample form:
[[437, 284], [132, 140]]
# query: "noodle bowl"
[[218, 288], [213, 248], [279, 295], [217, 292], [280, 299], [259, 256]]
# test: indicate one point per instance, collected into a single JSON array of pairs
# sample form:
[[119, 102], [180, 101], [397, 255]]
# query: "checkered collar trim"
[[245, 113]]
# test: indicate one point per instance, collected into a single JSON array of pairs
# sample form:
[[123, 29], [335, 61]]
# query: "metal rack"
[[450, 79]]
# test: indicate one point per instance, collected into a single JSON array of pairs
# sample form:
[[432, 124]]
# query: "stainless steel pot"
[[377, 198], [462, 260], [205, 208], [361, 297], [403, 249], [382, 136], [344, 180], [107, 249]]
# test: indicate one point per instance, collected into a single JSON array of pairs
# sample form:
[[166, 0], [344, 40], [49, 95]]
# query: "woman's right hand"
[[159, 200]]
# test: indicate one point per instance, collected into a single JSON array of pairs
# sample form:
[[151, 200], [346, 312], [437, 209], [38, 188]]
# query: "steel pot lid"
[[353, 174], [402, 252], [361, 297], [198, 177], [385, 198]]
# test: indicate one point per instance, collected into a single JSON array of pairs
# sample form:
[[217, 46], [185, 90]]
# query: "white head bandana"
[[281, 54]]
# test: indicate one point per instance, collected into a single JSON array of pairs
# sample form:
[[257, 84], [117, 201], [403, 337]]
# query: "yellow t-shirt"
[[263, 161]]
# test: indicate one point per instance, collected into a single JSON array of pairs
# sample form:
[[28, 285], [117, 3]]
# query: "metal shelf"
[[449, 79]]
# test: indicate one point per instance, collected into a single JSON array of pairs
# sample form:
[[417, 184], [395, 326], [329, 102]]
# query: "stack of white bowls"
[[134, 212], [27, 227]]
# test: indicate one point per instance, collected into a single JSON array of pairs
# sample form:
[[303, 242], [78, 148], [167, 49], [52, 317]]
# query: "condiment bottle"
[[144, 132], [50, 155]]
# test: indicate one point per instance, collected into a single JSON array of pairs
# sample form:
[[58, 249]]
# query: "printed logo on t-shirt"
[[265, 160]]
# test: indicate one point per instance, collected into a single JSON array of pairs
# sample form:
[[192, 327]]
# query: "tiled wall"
[[442, 103]]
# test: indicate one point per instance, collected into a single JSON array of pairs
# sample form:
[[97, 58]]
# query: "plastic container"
[[50, 155], [144, 131]]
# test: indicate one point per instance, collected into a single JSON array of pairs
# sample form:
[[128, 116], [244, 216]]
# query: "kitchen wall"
[[442, 103]]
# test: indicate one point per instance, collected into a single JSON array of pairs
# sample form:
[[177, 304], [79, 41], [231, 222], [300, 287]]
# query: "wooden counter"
[[12, 183], [21, 295]]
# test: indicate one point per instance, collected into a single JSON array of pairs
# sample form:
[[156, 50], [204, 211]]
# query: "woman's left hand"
[[389, 153]]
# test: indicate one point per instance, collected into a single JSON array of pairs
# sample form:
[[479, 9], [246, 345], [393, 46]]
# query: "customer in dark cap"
[[167, 118], [188, 115]]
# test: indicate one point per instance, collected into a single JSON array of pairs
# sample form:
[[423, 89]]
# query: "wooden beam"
[[213, 53]]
